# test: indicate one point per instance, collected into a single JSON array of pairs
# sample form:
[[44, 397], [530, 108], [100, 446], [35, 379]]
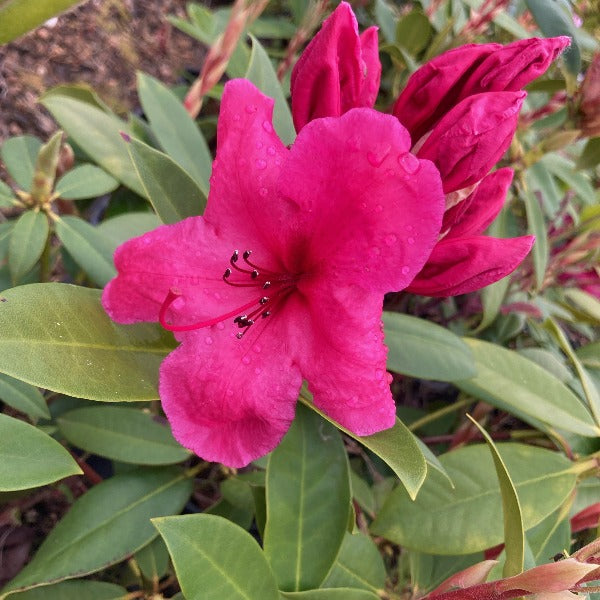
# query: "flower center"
[[274, 287]]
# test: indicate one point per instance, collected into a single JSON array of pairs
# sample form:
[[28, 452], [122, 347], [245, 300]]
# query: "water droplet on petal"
[[391, 239], [378, 208], [405, 270], [389, 377], [250, 108], [257, 349], [236, 117], [267, 126], [246, 360], [411, 240], [379, 374], [208, 340], [261, 164], [257, 371], [409, 162], [258, 145], [378, 155], [229, 393], [263, 192], [409, 228], [363, 205], [278, 161], [221, 326], [375, 251], [271, 151]]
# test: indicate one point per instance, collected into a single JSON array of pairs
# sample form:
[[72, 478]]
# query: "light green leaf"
[[262, 74], [585, 302], [30, 458], [85, 181], [123, 227], [330, 594], [422, 349], [397, 447], [105, 525], [514, 534], [358, 565], [215, 559], [27, 243], [172, 192], [19, 16], [98, 133], [175, 130], [457, 521], [153, 560], [413, 32], [23, 397], [124, 434], [551, 536], [540, 181], [386, 19], [564, 169], [430, 570], [590, 155], [537, 226], [58, 337], [75, 590], [6, 194], [308, 502], [513, 383], [491, 298], [88, 246], [19, 155]]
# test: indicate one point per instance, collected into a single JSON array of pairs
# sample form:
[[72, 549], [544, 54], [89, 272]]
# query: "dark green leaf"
[[23, 397], [590, 156], [76, 590], [537, 227], [27, 243], [153, 560], [126, 226], [330, 594]]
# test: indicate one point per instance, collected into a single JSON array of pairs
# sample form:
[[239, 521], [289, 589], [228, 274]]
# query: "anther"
[[247, 254], [266, 314], [235, 256], [254, 274], [264, 300], [227, 273], [266, 285]]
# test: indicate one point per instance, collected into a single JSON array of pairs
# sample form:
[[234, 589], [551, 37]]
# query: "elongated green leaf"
[[215, 559], [308, 502], [125, 434], [175, 130], [514, 534], [551, 536], [121, 228], [397, 447], [430, 570], [586, 303], [422, 349], [458, 521], [331, 594], [262, 74], [513, 383], [23, 397], [590, 155], [540, 181], [88, 246], [172, 192], [27, 243], [98, 133], [58, 337], [564, 169], [19, 155], [30, 458], [537, 227], [75, 590], [109, 522], [6, 194], [85, 181], [358, 565], [153, 560], [19, 16]]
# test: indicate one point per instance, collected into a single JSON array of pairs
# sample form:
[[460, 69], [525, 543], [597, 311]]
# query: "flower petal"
[[458, 266], [329, 77], [230, 400], [473, 216], [369, 210], [369, 40], [342, 355], [472, 137]]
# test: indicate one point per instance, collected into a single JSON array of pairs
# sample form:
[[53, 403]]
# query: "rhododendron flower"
[[461, 109], [283, 277]]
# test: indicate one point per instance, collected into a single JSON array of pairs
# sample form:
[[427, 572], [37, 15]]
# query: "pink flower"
[[461, 109], [283, 277], [338, 70]]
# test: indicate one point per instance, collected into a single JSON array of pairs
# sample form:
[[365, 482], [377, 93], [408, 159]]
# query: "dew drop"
[[257, 371], [375, 251], [229, 393], [250, 109], [378, 155], [391, 239], [379, 374], [389, 377], [363, 205], [258, 145], [409, 228], [271, 151], [221, 326], [208, 340], [378, 208], [411, 240], [278, 161], [257, 349], [263, 192], [261, 164], [409, 162], [405, 270], [246, 360], [267, 126], [236, 117]]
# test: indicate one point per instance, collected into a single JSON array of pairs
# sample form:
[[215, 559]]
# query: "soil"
[[101, 43]]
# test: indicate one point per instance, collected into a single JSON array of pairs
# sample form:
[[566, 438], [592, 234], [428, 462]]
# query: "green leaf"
[[172, 192], [76, 590], [30, 458], [6, 194], [153, 560], [90, 249], [262, 74], [330, 594], [358, 565], [105, 525], [564, 169], [585, 302], [124, 434], [123, 227], [19, 16], [23, 397], [537, 227], [513, 383], [98, 133], [58, 337], [552, 535], [491, 299], [590, 156], [458, 521], [422, 349], [27, 243], [396, 446], [554, 18], [514, 534], [175, 130], [540, 181], [387, 19], [413, 32], [85, 181], [19, 155], [215, 559], [308, 502], [430, 570]]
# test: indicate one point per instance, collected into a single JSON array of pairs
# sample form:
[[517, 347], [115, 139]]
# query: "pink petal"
[[329, 77], [472, 137], [473, 216], [471, 576], [230, 400], [370, 54], [370, 210], [342, 355], [458, 266]]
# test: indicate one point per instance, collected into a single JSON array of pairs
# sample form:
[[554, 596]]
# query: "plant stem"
[[438, 414]]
